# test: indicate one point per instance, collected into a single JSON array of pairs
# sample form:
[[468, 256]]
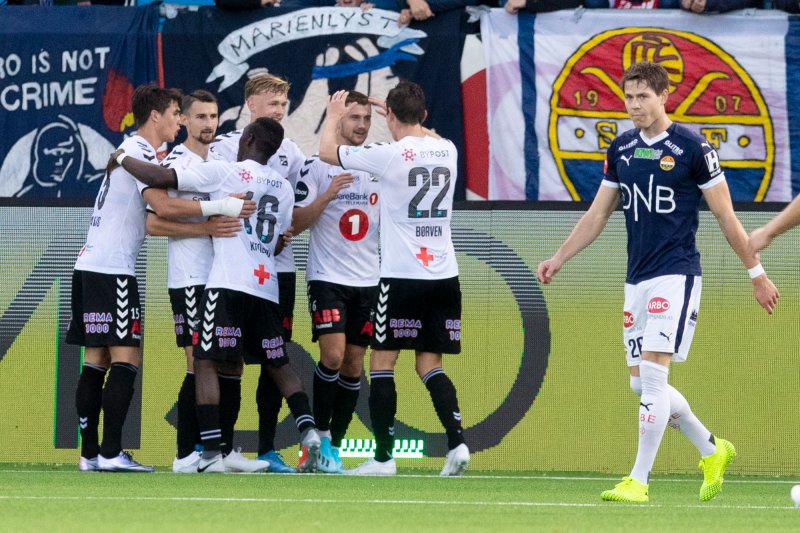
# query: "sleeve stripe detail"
[[610, 184], [716, 181]]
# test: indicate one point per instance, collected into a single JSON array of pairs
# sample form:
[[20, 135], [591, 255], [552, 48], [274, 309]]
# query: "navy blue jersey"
[[660, 182]]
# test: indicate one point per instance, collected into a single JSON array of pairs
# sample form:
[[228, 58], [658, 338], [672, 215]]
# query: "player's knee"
[[636, 385], [332, 358]]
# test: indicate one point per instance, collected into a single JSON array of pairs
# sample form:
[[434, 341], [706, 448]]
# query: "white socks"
[[683, 419], [654, 413]]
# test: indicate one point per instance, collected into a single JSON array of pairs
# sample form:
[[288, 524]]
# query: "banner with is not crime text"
[[67, 76]]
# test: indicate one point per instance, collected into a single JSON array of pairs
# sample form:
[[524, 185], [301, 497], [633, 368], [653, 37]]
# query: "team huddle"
[[381, 273], [230, 205]]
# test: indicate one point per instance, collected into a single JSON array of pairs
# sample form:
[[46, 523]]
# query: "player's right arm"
[[213, 227], [588, 228], [783, 222], [309, 201]]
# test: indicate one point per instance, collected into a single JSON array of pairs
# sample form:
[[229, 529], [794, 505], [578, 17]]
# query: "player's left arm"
[[785, 220], [718, 198], [214, 227], [150, 174]]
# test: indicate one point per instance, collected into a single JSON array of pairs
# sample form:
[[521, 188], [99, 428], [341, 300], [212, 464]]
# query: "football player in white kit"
[[241, 318], [106, 310], [190, 253], [341, 210], [419, 297], [660, 171], [267, 95]]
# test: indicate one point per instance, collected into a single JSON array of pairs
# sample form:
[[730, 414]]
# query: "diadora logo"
[[627, 319], [657, 305]]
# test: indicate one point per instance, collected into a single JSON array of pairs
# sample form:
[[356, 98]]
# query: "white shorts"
[[660, 316]]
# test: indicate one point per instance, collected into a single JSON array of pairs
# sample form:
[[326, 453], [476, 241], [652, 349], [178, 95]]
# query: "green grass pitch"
[[39, 498]]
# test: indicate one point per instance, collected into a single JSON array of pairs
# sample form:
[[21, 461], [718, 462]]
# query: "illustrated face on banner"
[[59, 154]]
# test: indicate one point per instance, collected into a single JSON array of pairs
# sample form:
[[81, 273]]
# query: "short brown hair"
[[151, 97], [265, 83], [356, 97], [652, 74], [198, 95], [407, 102]]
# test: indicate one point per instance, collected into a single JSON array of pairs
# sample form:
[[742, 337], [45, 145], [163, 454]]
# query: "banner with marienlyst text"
[[554, 79], [67, 75], [319, 51]]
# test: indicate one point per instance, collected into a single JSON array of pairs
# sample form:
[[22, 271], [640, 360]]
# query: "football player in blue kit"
[[659, 171]]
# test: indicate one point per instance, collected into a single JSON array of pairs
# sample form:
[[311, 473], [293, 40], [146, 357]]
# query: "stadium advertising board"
[[542, 379]]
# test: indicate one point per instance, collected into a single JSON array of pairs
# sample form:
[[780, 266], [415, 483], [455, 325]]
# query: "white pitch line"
[[381, 502], [468, 476]]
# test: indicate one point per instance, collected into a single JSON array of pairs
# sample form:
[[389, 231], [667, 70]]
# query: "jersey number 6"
[[261, 216]]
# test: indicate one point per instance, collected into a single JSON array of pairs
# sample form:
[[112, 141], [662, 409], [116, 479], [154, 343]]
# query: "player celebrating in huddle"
[[190, 253], [267, 95], [660, 171], [419, 302], [241, 318], [343, 271], [106, 310]]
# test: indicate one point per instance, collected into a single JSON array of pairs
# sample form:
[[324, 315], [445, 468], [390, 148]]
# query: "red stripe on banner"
[[476, 134], [160, 61]]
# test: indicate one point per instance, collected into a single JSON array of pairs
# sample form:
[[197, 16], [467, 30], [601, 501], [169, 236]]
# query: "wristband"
[[755, 271], [121, 157], [229, 207]]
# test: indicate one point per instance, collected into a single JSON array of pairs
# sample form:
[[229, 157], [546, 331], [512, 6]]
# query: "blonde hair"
[[265, 83]]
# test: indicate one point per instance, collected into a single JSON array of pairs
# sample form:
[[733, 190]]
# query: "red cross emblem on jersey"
[[408, 154], [261, 274], [424, 256]]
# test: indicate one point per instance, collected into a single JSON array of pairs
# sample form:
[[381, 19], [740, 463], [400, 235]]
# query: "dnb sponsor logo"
[[658, 305], [710, 93]]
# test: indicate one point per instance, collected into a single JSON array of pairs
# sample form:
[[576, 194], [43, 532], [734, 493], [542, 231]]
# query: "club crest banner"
[[553, 81], [65, 94]]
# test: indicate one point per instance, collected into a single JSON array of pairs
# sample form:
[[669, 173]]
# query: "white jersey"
[[245, 263], [343, 241], [286, 162], [189, 257], [117, 229], [417, 179]]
